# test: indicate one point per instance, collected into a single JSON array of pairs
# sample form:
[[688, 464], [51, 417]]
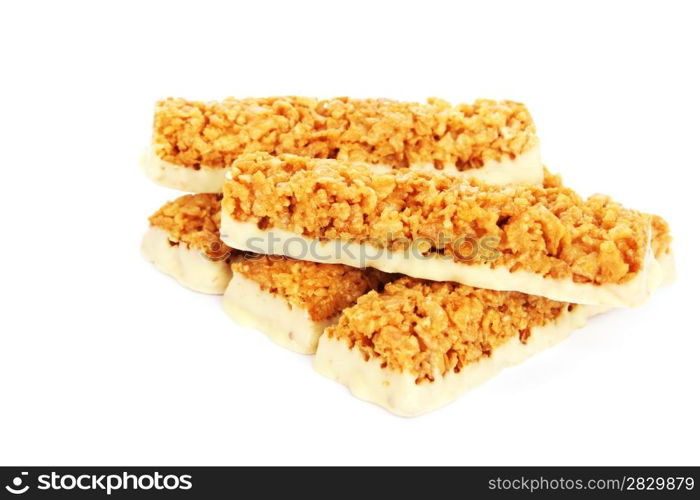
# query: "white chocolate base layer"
[[247, 236], [398, 392], [286, 324], [190, 267], [170, 175], [526, 168]]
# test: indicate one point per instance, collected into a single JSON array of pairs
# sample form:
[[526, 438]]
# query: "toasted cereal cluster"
[[323, 290], [660, 236], [550, 179], [194, 219], [378, 131], [428, 328], [548, 231], [660, 230]]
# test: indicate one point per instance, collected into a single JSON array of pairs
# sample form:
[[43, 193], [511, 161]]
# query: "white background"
[[103, 360]]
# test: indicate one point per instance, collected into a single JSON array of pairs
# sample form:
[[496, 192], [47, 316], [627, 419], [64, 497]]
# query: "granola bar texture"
[[548, 231], [194, 219], [378, 131], [323, 290], [428, 328]]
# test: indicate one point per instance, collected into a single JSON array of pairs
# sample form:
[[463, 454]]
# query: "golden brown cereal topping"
[[378, 131], [194, 219], [428, 329], [550, 179], [660, 230], [323, 290], [548, 231], [660, 236]]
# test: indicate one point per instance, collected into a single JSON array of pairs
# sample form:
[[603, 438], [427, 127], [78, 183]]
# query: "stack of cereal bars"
[[414, 249]]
